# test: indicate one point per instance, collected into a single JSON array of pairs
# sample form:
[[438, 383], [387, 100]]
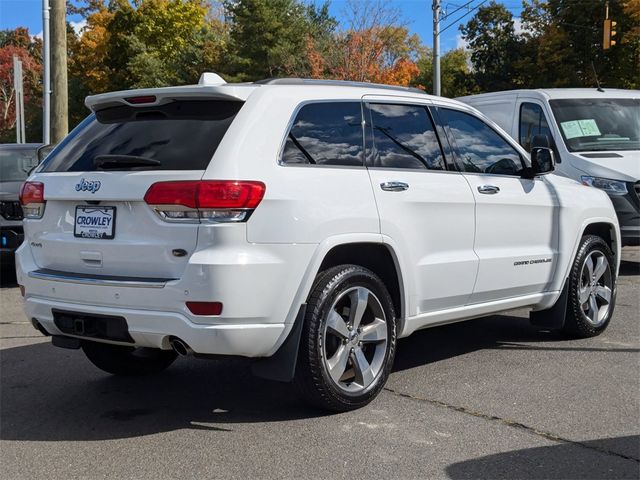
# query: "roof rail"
[[336, 83]]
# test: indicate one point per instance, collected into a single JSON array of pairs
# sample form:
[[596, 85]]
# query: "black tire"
[[577, 323], [312, 378], [127, 361]]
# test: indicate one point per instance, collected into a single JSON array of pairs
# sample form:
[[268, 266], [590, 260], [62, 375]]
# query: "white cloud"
[[78, 26], [461, 42]]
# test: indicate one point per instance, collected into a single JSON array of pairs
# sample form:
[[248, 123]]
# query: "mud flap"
[[281, 366], [552, 318]]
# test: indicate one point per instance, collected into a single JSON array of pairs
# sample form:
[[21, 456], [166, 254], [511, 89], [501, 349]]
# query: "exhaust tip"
[[180, 347]]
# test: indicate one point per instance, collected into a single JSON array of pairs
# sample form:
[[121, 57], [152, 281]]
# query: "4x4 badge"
[[91, 186]]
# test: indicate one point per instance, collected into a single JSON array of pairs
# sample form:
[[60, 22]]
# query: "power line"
[[460, 18]]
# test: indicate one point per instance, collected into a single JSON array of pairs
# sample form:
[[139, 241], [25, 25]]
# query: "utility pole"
[[46, 61], [19, 92], [60, 94], [436, 46]]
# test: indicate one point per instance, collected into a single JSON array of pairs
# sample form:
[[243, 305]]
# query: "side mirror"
[[542, 160], [542, 140]]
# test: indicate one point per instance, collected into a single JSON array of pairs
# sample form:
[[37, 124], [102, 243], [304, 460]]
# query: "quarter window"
[[480, 148], [404, 137], [326, 134], [532, 122]]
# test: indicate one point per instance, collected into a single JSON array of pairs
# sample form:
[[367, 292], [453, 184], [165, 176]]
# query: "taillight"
[[213, 201], [32, 199]]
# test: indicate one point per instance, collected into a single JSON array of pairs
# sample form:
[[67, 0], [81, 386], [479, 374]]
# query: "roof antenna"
[[595, 75]]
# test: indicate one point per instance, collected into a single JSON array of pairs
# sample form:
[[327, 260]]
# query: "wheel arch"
[[378, 257]]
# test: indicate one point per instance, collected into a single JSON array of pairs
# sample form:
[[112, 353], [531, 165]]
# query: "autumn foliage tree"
[[19, 43]]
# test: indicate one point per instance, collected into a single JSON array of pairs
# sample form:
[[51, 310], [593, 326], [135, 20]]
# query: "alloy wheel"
[[595, 290], [355, 340]]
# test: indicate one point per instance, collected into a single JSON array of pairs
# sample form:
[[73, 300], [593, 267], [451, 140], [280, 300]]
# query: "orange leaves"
[[31, 70], [375, 54]]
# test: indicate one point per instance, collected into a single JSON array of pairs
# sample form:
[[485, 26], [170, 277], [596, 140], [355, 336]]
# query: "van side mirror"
[[542, 160], [542, 140]]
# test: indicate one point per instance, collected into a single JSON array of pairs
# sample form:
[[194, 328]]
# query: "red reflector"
[[139, 100], [32, 192], [205, 308], [206, 194]]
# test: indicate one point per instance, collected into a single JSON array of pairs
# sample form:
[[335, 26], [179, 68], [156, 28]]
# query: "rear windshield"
[[181, 135], [15, 165]]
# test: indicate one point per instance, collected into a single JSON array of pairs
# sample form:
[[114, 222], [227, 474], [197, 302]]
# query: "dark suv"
[[16, 161]]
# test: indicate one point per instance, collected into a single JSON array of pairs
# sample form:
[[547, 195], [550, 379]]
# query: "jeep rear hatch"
[[95, 218]]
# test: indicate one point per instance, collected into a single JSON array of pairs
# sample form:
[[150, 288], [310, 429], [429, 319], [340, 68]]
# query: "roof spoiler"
[[210, 86]]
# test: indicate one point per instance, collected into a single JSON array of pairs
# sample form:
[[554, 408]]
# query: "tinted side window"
[[180, 135], [404, 137], [326, 134], [480, 148], [532, 122]]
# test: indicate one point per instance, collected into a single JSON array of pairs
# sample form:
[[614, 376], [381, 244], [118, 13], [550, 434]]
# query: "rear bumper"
[[257, 285], [153, 329]]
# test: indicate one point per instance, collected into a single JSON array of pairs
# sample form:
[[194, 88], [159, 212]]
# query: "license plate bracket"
[[95, 222]]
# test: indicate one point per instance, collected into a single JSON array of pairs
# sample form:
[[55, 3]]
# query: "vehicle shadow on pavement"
[[51, 394], [561, 461], [493, 332]]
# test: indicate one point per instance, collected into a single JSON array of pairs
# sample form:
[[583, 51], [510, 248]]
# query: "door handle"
[[488, 189], [394, 186]]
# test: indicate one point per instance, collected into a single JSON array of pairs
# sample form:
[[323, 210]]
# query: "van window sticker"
[[580, 128]]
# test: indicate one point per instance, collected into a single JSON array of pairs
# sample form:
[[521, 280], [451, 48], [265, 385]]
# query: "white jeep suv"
[[306, 224]]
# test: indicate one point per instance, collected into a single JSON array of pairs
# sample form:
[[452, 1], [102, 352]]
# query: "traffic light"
[[609, 33]]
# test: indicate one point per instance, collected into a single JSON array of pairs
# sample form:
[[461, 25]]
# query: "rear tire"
[[127, 361], [592, 289], [348, 339]]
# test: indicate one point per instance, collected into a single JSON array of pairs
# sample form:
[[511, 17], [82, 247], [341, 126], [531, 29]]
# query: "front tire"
[[348, 339], [127, 361], [592, 289]]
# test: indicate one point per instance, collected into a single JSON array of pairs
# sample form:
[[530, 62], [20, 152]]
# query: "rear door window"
[[181, 135], [327, 133], [404, 137]]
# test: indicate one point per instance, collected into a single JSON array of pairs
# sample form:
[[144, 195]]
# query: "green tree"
[[456, 78], [494, 47], [271, 38], [565, 40]]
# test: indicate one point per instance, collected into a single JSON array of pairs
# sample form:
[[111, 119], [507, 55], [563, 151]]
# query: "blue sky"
[[416, 13]]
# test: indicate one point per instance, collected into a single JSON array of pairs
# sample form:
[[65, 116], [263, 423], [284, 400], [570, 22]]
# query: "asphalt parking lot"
[[490, 398]]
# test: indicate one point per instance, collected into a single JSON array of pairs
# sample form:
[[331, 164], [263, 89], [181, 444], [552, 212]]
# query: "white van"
[[595, 135]]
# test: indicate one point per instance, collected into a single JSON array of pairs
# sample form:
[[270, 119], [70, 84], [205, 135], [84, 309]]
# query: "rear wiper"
[[106, 162]]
